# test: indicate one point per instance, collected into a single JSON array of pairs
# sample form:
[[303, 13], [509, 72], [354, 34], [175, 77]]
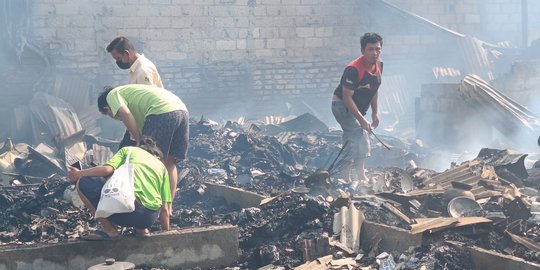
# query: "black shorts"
[[170, 131]]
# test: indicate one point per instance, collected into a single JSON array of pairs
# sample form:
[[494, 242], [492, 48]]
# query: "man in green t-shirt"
[[151, 111], [151, 185]]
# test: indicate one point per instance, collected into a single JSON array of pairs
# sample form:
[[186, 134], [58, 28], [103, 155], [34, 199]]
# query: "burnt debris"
[[295, 220]]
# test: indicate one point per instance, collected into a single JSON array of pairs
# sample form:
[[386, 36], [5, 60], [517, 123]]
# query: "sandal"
[[97, 235]]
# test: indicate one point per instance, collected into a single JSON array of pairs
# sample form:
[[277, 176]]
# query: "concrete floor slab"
[[202, 247]]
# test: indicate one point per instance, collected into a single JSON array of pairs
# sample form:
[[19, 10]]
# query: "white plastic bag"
[[118, 193]]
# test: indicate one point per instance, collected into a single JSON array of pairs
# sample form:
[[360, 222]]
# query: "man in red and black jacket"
[[357, 91]]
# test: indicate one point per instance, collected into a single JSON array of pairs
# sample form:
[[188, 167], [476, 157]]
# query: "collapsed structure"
[[271, 180], [286, 218]]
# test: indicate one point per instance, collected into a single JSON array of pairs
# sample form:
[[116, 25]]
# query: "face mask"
[[122, 65]]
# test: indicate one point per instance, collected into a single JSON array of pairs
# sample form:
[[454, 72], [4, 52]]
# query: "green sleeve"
[[166, 188], [118, 158], [115, 101]]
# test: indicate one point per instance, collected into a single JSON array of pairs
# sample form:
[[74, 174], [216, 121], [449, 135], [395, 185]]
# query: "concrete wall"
[[228, 58], [211, 51], [202, 248], [491, 20]]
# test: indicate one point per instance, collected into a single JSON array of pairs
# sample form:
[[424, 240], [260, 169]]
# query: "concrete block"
[[85, 45], [259, 11], [388, 238], [133, 22], [295, 43], [207, 247], [473, 18], [152, 35], [276, 11], [241, 44], [160, 2], [304, 32], [314, 42], [193, 10], [237, 196], [268, 32], [275, 43], [242, 22], [218, 11], [162, 46], [123, 10], [71, 8], [44, 32], [224, 45], [324, 31], [180, 22], [170, 11], [40, 9], [159, 22], [238, 11], [118, 22], [220, 22], [304, 10], [436, 8], [270, 2], [168, 34], [488, 259], [203, 2], [202, 22], [182, 2], [147, 11]]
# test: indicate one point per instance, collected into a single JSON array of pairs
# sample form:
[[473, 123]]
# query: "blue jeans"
[[358, 146]]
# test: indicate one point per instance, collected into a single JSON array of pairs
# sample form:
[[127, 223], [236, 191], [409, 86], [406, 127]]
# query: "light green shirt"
[[152, 186], [143, 100]]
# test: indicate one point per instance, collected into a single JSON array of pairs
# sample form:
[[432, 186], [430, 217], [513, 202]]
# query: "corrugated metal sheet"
[[446, 74], [509, 117], [471, 173], [476, 57], [393, 97], [54, 120], [77, 91], [74, 90]]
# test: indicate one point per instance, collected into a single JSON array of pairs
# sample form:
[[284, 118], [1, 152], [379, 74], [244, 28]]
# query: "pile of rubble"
[[264, 178]]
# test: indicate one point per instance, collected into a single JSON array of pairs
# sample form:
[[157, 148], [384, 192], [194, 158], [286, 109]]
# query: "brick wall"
[[208, 51], [233, 57]]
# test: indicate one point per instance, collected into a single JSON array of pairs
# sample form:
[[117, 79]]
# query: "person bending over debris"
[[141, 70], [357, 91], [152, 189], [154, 112]]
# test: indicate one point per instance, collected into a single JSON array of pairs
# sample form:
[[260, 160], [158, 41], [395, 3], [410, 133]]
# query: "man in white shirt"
[[141, 70]]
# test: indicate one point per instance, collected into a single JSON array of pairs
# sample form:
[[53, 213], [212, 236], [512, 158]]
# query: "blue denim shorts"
[[141, 218], [358, 146]]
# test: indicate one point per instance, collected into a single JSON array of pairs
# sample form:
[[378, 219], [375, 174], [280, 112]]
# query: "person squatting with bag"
[[157, 113], [150, 184]]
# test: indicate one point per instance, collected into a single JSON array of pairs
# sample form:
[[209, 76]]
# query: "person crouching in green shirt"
[[151, 184], [157, 113]]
